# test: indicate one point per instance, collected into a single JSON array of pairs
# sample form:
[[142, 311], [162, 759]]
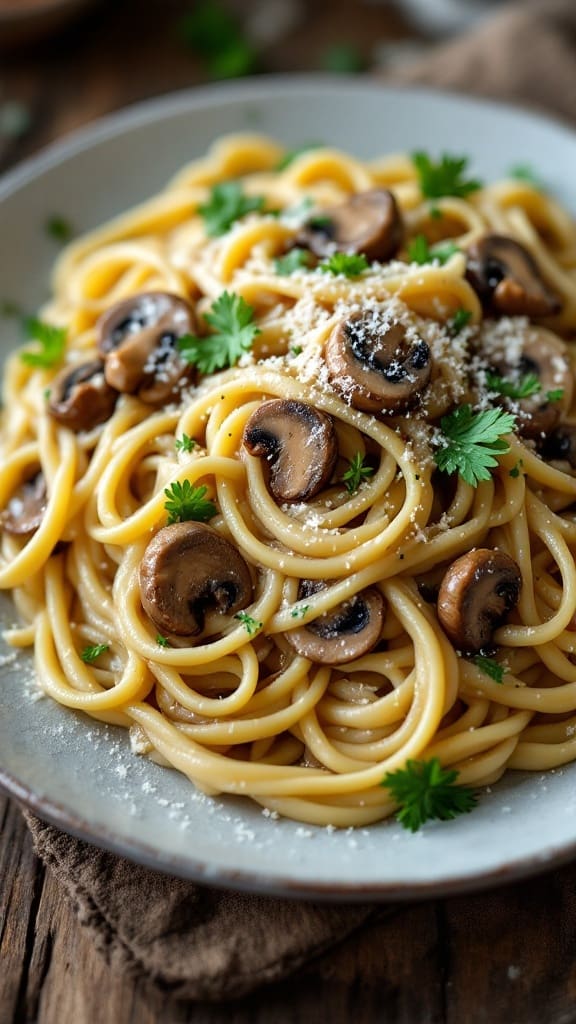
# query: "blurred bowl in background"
[[24, 21]]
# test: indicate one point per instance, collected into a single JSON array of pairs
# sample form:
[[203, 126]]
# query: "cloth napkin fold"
[[204, 943]]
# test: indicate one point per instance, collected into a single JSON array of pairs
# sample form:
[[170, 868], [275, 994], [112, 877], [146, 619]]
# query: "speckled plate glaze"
[[81, 775]]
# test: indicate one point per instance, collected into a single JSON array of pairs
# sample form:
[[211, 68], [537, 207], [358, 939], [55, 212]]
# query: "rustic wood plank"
[[21, 883]]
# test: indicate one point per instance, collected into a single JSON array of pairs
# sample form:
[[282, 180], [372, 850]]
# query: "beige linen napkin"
[[208, 944]]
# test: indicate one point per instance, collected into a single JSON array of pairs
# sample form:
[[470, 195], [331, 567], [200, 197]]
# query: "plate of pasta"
[[288, 520]]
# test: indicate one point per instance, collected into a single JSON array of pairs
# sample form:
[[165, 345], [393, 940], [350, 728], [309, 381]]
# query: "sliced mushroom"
[[560, 446], [545, 355], [25, 510], [375, 366], [137, 338], [476, 594], [80, 398], [368, 223], [507, 279], [189, 571], [298, 441], [347, 632]]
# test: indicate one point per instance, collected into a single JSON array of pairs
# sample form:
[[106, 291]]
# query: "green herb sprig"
[[226, 205], [234, 333], [252, 626], [51, 344], [424, 791], [356, 473], [444, 177], [420, 252], [185, 444], [473, 441], [490, 668], [348, 264], [91, 653], [186, 503], [524, 388], [296, 259]]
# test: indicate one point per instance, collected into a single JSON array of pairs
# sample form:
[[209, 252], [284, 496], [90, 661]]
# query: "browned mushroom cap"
[[560, 445], [80, 398], [476, 594], [375, 366], [25, 510], [300, 444], [545, 355], [350, 630], [137, 338], [187, 571], [507, 279], [368, 223]]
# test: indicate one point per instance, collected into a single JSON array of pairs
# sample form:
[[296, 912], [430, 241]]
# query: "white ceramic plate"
[[82, 776]]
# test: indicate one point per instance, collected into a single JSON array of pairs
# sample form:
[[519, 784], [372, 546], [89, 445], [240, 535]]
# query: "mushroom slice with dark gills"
[[80, 397], [345, 633], [369, 223], [189, 574], [536, 351], [25, 510], [298, 441], [559, 447], [478, 591], [375, 366], [507, 279], [138, 337]]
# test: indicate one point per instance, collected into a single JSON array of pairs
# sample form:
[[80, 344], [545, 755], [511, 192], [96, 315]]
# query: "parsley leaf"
[[425, 791], [349, 264], [490, 668], [226, 205], [444, 177], [292, 154], [293, 260], [459, 321], [51, 341], [523, 388], [90, 654], [185, 502], [184, 443], [232, 319], [161, 640], [420, 252], [58, 228], [251, 625], [473, 442], [515, 471], [555, 396], [525, 173], [215, 34], [300, 612], [356, 473]]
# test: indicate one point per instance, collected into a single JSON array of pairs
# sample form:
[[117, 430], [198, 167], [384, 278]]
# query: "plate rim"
[[106, 128]]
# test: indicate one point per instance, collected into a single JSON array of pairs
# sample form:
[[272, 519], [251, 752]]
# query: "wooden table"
[[508, 957]]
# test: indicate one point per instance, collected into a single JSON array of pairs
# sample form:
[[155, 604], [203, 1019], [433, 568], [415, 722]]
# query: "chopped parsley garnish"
[[251, 625], [215, 34], [321, 222], [299, 613], [51, 344], [356, 473], [473, 440], [226, 205], [523, 388], [420, 252], [161, 640], [343, 58], [90, 654], [185, 502], [292, 154], [527, 174], [234, 332], [445, 177], [294, 260], [515, 471], [555, 396], [184, 443], [490, 668], [349, 264], [424, 791], [296, 350], [460, 320], [58, 228]]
